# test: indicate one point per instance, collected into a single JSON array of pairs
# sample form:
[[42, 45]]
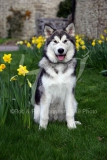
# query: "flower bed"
[[15, 87]]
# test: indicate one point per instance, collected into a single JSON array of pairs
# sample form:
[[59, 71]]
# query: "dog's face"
[[59, 47]]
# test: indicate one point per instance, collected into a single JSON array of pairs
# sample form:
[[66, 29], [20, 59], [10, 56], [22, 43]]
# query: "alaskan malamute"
[[54, 96]]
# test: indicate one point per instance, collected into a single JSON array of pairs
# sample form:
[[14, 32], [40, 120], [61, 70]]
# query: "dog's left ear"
[[48, 31], [70, 29]]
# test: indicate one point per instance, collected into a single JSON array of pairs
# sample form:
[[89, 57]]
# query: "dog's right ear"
[[48, 31]]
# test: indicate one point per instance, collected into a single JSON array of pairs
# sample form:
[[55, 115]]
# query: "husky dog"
[[54, 96]]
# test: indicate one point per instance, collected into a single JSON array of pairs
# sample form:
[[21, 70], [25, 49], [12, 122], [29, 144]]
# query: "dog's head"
[[60, 45]]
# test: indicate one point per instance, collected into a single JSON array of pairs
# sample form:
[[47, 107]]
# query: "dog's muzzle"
[[61, 54]]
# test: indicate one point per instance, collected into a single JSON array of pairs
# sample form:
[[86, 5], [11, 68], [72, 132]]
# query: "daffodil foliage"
[[95, 48], [14, 92], [15, 88]]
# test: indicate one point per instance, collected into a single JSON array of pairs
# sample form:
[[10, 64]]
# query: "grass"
[[87, 142]]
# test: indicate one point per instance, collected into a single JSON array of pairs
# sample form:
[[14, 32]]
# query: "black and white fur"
[[54, 96]]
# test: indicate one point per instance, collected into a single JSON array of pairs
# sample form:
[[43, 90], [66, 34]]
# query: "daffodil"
[[93, 43], [37, 41], [100, 41], [33, 41], [39, 45], [102, 37], [25, 41], [105, 31], [14, 78], [77, 37], [78, 40], [77, 46], [19, 42], [3, 66], [22, 70], [7, 58], [83, 47], [82, 42], [28, 45]]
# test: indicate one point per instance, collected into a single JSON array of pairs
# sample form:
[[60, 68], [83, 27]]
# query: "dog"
[[54, 95]]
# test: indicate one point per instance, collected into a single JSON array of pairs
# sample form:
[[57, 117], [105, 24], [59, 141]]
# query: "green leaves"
[[97, 53]]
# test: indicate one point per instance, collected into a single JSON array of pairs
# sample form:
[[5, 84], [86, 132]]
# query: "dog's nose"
[[60, 50]]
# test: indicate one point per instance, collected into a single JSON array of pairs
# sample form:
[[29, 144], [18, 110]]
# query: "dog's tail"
[[71, 17]]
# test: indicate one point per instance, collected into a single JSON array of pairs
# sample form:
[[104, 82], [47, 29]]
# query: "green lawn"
[[87, 142]]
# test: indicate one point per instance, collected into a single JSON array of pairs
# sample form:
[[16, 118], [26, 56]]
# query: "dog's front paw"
[[42, 127], [78, 122], [71, 125], [43, 124]]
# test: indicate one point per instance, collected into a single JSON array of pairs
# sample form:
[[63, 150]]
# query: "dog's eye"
[[55, 41], [65, 41]]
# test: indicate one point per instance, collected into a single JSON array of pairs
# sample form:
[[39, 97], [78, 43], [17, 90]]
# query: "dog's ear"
[[70, 29], [48, 31]]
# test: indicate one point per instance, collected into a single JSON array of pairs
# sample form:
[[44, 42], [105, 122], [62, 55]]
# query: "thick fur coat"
[[54, 96]]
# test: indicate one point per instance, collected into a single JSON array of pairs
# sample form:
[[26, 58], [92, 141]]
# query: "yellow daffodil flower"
[[82, 42], [3, 66], [33, 41], [100, 41], [28, 45], [77, 46], [93, 43], [22, 70], [102, 37], [19, 42], [78, 40], [25, 41], [105, 31], [77, 37], [83, 47], [7, 58], [39, 45]]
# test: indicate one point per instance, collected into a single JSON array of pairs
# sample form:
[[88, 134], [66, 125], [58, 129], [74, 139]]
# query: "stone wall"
[[38, 8], [91, 17]]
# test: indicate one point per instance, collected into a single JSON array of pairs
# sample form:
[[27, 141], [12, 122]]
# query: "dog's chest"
[[61, 82]]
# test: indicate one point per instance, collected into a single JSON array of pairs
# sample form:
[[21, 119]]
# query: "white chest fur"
[[59, 78]]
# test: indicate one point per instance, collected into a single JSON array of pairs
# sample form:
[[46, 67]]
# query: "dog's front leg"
[[71, 107], [44, 112]]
